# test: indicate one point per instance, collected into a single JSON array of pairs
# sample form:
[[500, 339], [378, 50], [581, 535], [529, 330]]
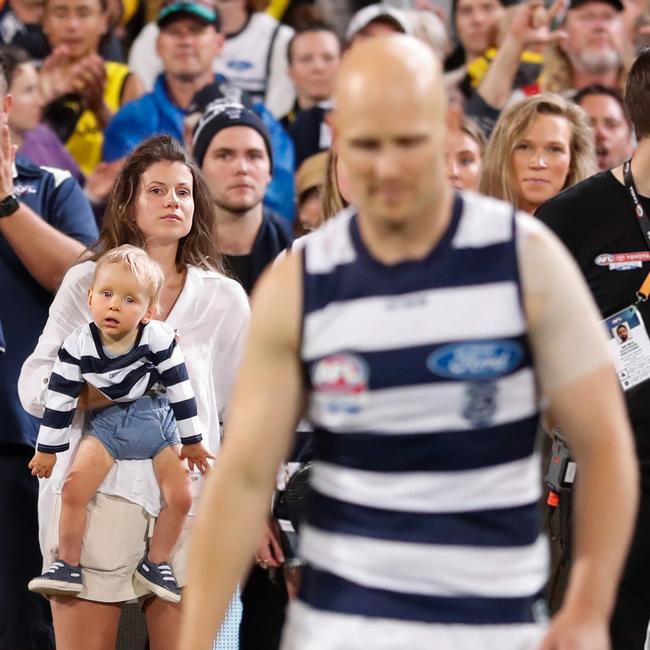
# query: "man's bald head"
[[389, 127], [398, 68]]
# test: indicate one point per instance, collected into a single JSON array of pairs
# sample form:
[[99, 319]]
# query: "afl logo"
[[480, 361], [342, 381]]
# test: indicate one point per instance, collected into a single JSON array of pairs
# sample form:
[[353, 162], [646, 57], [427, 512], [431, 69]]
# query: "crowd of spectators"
[[536, 106]]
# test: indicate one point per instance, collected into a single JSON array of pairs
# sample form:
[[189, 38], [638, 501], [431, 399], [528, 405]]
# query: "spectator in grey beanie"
[[221, 115]]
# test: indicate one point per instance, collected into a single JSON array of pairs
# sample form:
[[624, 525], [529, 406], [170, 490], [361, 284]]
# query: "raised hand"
[[7, 158], [532, 22]]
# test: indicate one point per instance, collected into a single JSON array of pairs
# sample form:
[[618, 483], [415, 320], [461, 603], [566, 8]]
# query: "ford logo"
[[481, 360], [240, 66]]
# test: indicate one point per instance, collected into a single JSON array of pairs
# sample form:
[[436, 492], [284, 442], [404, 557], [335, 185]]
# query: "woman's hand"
[[42, 464], [269, 551], [197, 456]]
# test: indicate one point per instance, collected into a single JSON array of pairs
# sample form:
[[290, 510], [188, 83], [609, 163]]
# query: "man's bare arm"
[[266, 405], [586, 401], [44, 251]]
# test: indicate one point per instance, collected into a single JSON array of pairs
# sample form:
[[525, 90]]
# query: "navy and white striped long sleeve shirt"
[[154, 358]]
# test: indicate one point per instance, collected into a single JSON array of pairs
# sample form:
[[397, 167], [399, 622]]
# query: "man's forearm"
[[606, 505], [44, 251], [229, 524]]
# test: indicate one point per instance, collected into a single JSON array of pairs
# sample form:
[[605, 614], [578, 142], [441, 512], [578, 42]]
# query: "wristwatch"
[[8, 206]]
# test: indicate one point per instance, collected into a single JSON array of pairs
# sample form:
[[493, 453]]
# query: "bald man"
[[419, 336]]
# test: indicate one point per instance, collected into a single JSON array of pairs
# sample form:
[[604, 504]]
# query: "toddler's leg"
[[174, 482], [89, 468]]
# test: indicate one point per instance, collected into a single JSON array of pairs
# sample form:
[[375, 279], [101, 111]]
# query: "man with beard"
[[592, 50]]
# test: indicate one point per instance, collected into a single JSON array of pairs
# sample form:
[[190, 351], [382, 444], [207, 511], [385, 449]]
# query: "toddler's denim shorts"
[[136, 430]]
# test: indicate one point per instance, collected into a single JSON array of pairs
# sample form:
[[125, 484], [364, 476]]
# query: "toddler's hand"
[[41, 464], [197, 456]]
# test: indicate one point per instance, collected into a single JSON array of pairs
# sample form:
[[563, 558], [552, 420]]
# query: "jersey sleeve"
[[170, 364], [63, 393]]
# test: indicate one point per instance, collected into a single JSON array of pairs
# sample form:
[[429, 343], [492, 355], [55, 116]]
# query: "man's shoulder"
[[32, 180], [135, 107], [278, 223], [590, 191]]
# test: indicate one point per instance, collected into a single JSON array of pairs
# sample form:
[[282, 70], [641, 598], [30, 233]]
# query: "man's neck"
[[233, 18], [305, 101], [416, 239], [640, 168], [236, 233], [582, 78], [182, 91]]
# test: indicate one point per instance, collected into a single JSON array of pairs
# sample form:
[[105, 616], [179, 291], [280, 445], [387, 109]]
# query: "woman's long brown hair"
[[198, 247]]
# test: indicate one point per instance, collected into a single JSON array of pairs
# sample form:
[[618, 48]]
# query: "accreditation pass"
[[629, 344]]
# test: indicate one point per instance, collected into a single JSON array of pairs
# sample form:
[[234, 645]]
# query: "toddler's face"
[[118, 302]]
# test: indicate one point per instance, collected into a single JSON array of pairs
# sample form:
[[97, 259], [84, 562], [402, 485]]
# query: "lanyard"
[[642, 219]]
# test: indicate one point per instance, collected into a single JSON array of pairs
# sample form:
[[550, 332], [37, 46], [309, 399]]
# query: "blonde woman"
[[539, 147]]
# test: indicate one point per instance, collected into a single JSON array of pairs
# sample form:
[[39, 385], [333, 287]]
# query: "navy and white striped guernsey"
[[154, 358], [423, 398]]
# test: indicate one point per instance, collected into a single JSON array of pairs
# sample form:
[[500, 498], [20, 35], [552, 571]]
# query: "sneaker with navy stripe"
[[159, 579], [60, 579]]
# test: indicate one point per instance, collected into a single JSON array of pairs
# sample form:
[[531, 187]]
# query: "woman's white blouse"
[[211, 319]]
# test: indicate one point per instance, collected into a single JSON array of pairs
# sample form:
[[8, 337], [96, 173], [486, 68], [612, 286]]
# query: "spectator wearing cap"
[[254, 55], [313, 53], [593, 50], [81, 90], [233, 148], [376, 20], [188, 42], [613, 132]]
